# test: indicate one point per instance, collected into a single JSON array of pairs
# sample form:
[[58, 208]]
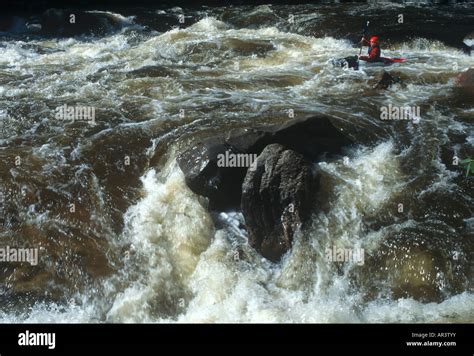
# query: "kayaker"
[[374, 50]]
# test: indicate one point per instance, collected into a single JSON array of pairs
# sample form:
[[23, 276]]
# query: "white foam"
[[302, 289], [459, 308], [169, 230], [122, 19]]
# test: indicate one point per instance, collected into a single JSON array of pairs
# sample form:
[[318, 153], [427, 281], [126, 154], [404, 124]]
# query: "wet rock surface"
[[271, 179], [276, 199]]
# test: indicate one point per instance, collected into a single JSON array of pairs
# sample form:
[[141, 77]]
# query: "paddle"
[[384, 59], [366, 28]]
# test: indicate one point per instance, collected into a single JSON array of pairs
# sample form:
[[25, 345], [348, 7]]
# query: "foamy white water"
[[173, 266]]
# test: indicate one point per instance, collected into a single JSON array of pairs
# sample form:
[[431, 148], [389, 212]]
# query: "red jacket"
[[373, 53]]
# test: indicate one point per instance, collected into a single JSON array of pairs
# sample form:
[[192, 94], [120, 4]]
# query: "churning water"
[[137, 245]]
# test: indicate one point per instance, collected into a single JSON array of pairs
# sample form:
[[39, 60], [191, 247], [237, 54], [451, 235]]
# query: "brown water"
[[138, 246]]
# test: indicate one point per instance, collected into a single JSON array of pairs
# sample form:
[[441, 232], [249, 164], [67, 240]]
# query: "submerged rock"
[[465, 85], [466, 79], [384, 80], [276, 199], [425, 262], [249, 47]]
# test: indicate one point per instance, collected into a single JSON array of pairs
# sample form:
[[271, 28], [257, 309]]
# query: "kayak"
[[387, 60], [354, 62], [384, 61]]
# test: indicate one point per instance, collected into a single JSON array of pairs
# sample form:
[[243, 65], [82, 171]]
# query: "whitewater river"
[[122, 239]]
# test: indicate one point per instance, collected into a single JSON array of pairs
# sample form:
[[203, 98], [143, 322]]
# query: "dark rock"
[[311, 137], [465, 86], [466, 79], [431, 24], [347, 62], [222, 185], [276, 199], [6, 23], [469, 43], [384, 80], [56, 22]]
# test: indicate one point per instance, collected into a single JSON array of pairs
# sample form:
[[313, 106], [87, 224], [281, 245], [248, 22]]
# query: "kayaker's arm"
[[364, 42]]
